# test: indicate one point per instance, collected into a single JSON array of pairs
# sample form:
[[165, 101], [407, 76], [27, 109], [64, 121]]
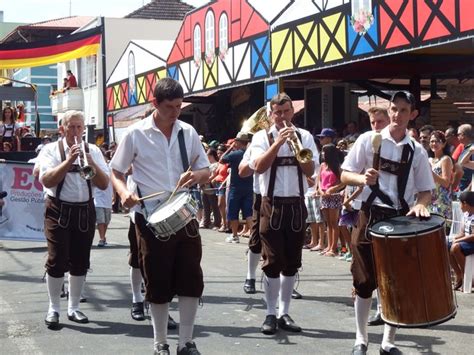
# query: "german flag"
[[63, 49]]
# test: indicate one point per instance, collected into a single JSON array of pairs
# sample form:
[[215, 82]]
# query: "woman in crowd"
[[209, 197], [442, 167], [9, 129], [219, 180], [330, 187]]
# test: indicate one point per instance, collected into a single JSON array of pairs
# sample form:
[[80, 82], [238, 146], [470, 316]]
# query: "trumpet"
[[303, 155], [86, 171]]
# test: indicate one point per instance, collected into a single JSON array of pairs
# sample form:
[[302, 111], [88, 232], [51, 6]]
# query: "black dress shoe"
[[360, 349], [249, 286], [285, 322], [52, 320], [393, 351], [137, 311], [78, 317], [189, 349], [269, 326], [296, 295], [162, 349], [171, 323], [376, 320]]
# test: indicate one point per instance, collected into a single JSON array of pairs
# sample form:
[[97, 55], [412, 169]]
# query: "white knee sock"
[[187, 315], [388, 340], [286, 289], [272, 287], [362, 309], [254, 259], [76, 283], [159, 320], [136, 282], [54, 285]]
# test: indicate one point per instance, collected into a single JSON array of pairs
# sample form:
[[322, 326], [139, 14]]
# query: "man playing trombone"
[[282, 155], [69, 172], [166, 155]]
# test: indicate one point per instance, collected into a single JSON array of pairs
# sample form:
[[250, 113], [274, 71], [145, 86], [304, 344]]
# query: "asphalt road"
[[228, 322]]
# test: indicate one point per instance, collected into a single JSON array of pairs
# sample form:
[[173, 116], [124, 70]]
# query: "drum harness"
[[402, 171], [185, 162]]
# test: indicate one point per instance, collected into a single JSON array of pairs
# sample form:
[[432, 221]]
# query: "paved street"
[[228, 322]]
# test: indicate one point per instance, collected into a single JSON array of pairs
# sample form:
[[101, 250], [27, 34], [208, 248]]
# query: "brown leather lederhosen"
[[362, 266], [282, 224], [255, 245], [69, 229]]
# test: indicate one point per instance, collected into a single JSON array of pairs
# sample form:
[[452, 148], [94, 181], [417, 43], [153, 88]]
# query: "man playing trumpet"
[[282, 212], [69, 223]]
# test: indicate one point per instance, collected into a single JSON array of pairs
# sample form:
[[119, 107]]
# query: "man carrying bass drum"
[[161, 148], [389, 191]]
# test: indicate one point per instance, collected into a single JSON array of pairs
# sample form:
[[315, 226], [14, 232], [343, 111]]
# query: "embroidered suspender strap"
[[300, 171], [182, 150], [405, 165], [283, 161], [73, 169], [142, 203], [271, 184], [376, 192], [89, 186]]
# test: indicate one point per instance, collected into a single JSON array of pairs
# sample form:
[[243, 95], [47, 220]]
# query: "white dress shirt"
[[256, 176], [74, 188], [286, 182], [360, 158], [157, 164]]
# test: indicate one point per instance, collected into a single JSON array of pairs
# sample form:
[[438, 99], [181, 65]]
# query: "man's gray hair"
[[70, 114], [466, 129]]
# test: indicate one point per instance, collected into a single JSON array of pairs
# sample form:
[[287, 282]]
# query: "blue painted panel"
[[363, 47], [173, 72], [48, 70], [271, 89], [261, 45]]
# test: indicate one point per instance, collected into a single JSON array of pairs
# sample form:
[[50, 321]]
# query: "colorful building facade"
[[227, 44]]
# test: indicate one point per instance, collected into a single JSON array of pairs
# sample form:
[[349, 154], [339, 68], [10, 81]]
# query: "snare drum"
[[173, 215], [413, 274]]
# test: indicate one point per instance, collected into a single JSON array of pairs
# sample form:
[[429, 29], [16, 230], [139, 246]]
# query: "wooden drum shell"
[[413, 277]]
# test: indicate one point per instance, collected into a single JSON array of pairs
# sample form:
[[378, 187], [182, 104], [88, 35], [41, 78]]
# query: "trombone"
[[86, 171]]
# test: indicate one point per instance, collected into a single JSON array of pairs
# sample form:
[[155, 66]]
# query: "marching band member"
[[387, 192], [70, 214], [283, 211], [160, 148]]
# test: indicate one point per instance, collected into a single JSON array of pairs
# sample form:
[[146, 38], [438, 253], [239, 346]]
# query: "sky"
[[30, 11]]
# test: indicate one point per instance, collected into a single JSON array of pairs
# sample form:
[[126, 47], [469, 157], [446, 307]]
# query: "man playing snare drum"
[[403, 163], [161, 148]]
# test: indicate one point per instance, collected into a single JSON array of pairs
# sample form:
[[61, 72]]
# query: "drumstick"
[[150, 196], [177, 185], [376, 142]]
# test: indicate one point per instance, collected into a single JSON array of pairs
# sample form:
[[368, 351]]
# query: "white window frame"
[[197, 44], [223, 33], [210, 34]]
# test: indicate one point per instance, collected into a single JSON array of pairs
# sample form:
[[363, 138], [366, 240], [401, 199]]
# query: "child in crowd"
[[315, 218], [463, 244]]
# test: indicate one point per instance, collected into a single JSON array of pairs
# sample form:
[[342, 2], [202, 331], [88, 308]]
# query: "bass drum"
[[413, 272]]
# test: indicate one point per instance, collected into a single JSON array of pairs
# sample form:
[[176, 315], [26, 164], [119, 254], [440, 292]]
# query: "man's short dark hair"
[[427, 127], [467, 197], [168, 89], [280, 99]]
